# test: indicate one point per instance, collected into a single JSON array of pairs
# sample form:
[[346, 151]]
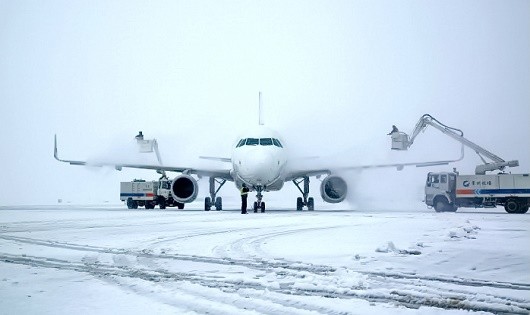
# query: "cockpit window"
[[265, 141], [277, 143], [241, 142], [252, 141]]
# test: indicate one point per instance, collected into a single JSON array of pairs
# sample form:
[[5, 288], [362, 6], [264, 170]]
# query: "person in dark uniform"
[[244, 195], [394, 129]]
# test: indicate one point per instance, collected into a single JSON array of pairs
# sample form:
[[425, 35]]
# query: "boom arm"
[[402, 141]]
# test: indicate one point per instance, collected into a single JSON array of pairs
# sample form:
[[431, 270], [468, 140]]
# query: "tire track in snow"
[[409, 299], [291, 277], [258, 264]]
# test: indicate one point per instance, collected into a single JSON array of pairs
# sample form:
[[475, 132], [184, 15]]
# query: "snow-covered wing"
[[215, 158], [294, 173], [218, 173]]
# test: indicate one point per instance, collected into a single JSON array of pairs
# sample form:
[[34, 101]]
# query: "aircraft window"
[[241, 142], [252, 141], [265, 141], [277, 143]]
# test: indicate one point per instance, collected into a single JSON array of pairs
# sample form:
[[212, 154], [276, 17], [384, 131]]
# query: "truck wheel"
[[511, 205], [129, 203], [441, 204], [523, 209], [162, 203], [207, 203], [180, 205]]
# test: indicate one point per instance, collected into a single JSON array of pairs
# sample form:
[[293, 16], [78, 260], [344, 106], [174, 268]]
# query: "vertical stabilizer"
[[260, 110]]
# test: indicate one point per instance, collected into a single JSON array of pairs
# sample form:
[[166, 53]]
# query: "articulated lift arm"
[[402, 141]]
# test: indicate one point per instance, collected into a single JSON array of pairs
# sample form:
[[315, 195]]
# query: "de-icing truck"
[[447, 191], [148, 194]]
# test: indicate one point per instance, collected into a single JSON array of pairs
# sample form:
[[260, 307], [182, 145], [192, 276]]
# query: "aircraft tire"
[[207, 203], [218, 203], [299, 204], [310, 204]]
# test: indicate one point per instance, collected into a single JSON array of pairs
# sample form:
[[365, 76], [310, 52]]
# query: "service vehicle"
[[447, 191], [148, 194]]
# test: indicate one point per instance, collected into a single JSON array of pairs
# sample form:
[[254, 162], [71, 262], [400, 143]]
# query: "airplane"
[[260, 161]]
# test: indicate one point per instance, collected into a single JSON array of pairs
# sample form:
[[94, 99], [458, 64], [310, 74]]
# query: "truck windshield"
[[432, 179]]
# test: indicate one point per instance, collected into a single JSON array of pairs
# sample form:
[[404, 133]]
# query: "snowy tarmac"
[[111, 260]]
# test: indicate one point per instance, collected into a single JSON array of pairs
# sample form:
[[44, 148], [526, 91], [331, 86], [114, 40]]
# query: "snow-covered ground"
[[110, 260]]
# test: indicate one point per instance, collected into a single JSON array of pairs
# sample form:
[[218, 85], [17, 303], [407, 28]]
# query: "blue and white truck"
[[447, 191]]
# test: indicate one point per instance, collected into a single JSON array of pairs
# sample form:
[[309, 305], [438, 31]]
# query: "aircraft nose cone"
[[258, 168]]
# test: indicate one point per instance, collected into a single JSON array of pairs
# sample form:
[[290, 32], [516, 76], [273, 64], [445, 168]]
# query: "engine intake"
[[333, 189], [184, 188]]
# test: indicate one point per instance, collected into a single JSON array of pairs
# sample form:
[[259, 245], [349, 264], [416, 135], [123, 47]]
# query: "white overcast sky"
[[335, 76]]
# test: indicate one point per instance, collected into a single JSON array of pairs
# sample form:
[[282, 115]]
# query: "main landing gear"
[[305, 201], [213, 193], [259, 204]]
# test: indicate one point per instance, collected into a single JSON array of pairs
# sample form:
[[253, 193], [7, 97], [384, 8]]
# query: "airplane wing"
[[218, 173], [215, 158], [294, 173]]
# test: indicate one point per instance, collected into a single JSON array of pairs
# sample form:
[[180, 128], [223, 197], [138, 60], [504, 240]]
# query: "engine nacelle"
[[333, 189], [184, 188]]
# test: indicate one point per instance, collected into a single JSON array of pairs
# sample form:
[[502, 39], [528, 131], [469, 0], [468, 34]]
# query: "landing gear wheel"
[[218, 203], [511, 206], [207, 203], [299, 204], [310, 204], [259, 206]]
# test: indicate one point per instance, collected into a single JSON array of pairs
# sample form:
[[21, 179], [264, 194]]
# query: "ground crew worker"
[[394, 129], [244, 195]]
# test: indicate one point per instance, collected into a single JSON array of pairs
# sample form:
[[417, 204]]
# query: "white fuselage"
[[259, 159]]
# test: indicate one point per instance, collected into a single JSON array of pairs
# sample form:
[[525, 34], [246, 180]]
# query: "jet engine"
[[333, 189], [184, 188]]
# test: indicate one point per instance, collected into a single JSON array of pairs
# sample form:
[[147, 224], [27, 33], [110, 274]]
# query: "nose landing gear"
[[259, 204]]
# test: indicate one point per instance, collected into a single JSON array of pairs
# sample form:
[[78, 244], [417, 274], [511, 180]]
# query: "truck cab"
[[440, 191]]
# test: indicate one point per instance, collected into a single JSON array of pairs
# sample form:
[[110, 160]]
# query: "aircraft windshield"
[[261, 141], [265, 141], [252, 141], [241, 143]]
